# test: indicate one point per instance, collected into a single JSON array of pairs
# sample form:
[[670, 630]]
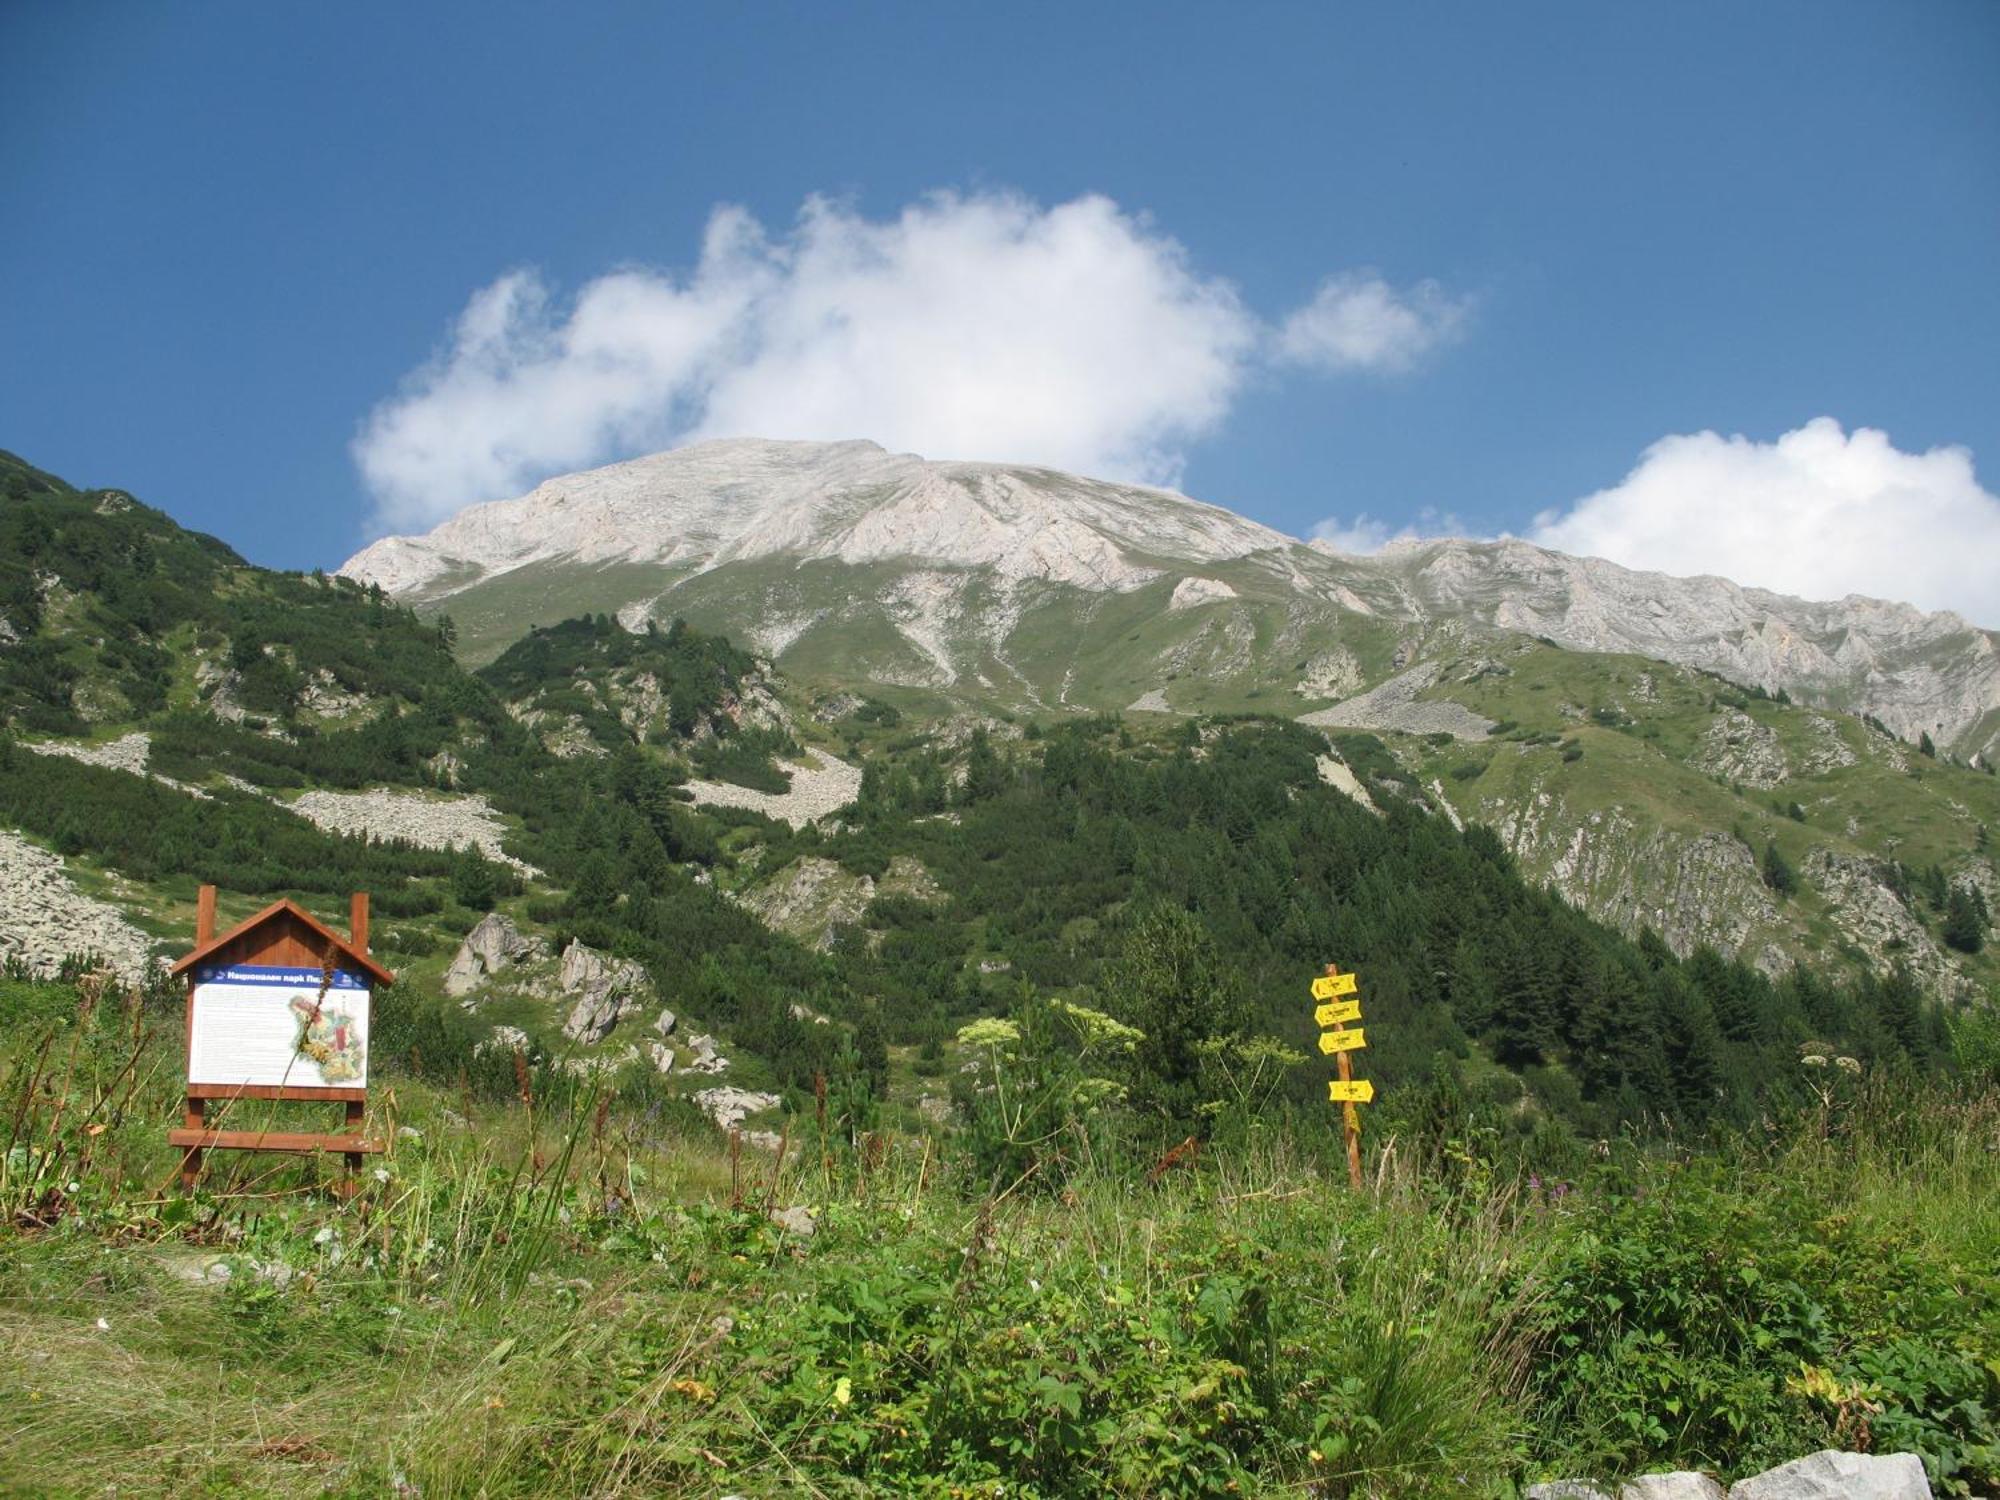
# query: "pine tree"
[[1964, 928], [1778, 872], [1925, 747], [473, 883]]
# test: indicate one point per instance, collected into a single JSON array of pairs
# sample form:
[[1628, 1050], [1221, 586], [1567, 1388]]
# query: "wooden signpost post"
[[1340, 1044], [278, 1008]]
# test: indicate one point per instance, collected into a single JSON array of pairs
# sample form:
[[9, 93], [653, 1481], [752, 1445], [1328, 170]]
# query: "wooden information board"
[[278, 1008]]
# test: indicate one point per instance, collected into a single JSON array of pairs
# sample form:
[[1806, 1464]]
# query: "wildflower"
[[843, 1391], [381, 1174], [989, 1032], [102, 1326], [73, 1188]]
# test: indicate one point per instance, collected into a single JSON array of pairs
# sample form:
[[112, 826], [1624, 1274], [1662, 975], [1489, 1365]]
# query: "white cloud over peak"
[[1360, 322], [1366, 535], [1820, 513], [979, 326]]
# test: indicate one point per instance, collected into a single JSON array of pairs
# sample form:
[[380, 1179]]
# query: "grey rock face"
[[608, 990], [504, 1039], [1566, 1489], [1691, 889], [983, 532], [1681, 1485], [494, 944], [1832, 1475], [1875, 919], [730, 1107], [1739, 749], [704, 1058]]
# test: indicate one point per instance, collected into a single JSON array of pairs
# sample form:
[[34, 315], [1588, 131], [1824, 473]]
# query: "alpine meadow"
[[1000, 754]]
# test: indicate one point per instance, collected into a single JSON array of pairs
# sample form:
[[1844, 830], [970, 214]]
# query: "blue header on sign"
[[272, 974]]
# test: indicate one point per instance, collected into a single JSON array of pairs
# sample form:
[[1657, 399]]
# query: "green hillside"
[[1019, 1025]]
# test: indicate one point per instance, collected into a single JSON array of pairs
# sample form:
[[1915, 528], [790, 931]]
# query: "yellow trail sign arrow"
[[1331, 1042], [1338, 1015], [1351, 1091], [1331, 986]]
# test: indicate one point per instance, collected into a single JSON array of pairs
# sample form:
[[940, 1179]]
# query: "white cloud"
[[1365, 534], [1820, 513], [1360, 322], [968, 326]]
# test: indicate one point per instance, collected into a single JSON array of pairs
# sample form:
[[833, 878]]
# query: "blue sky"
[[234, 232]]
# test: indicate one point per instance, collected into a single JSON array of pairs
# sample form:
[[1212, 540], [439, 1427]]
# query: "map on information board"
[[257, 1025]]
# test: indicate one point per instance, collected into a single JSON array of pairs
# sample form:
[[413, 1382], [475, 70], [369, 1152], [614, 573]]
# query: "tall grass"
[[571, 1293]]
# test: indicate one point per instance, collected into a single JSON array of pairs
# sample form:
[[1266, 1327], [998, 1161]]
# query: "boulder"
[[504, 1039], [665, 1023], [1681, 1485], [730, 1107], [495, 944], [796, 1220], [1833, 1475], [608, 990], [662, 1056], [1566, 1489], [703, 1056]]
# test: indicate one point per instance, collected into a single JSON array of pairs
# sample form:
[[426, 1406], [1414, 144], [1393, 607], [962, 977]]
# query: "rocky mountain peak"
[[958, 554]]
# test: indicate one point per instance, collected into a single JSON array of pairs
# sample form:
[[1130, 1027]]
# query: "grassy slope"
[[1890, 804], [571, 1300]]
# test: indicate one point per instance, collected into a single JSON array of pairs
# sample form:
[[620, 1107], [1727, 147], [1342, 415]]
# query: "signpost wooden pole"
[[300, 993], [1337, 1040]]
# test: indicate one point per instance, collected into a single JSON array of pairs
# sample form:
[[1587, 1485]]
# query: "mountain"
[[1590, 889], [1031, 588]]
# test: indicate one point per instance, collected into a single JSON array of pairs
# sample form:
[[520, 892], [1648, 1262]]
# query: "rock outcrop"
[[1828, 1475], [492, 946], [1831, 1475], [1873, 917], [607, 990], [730, 1107]]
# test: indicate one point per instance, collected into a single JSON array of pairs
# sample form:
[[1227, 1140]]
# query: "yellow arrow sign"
[[1329, 986], [1359, 1091], [1338, 1015], [1331, 1042]]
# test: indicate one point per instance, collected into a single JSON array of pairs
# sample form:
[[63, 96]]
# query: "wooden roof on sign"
[[283, 913]]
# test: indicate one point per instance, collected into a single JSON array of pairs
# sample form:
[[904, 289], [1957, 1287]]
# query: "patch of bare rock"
[[1873, 917], [127, 753], [607, 990], [813, 897], [729, 1107], [44, 918], [821, 786], [1827, 1475], [428, 822], [1739, 749], [1692, 889], [1394, 705], [492, 947]]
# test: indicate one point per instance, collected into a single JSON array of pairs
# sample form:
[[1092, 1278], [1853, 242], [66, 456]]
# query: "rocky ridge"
[[952, 558]]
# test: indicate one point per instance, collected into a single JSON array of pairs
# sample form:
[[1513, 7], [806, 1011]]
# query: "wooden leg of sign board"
[[352, 1159], [1350, 1116], [192, 1116]]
